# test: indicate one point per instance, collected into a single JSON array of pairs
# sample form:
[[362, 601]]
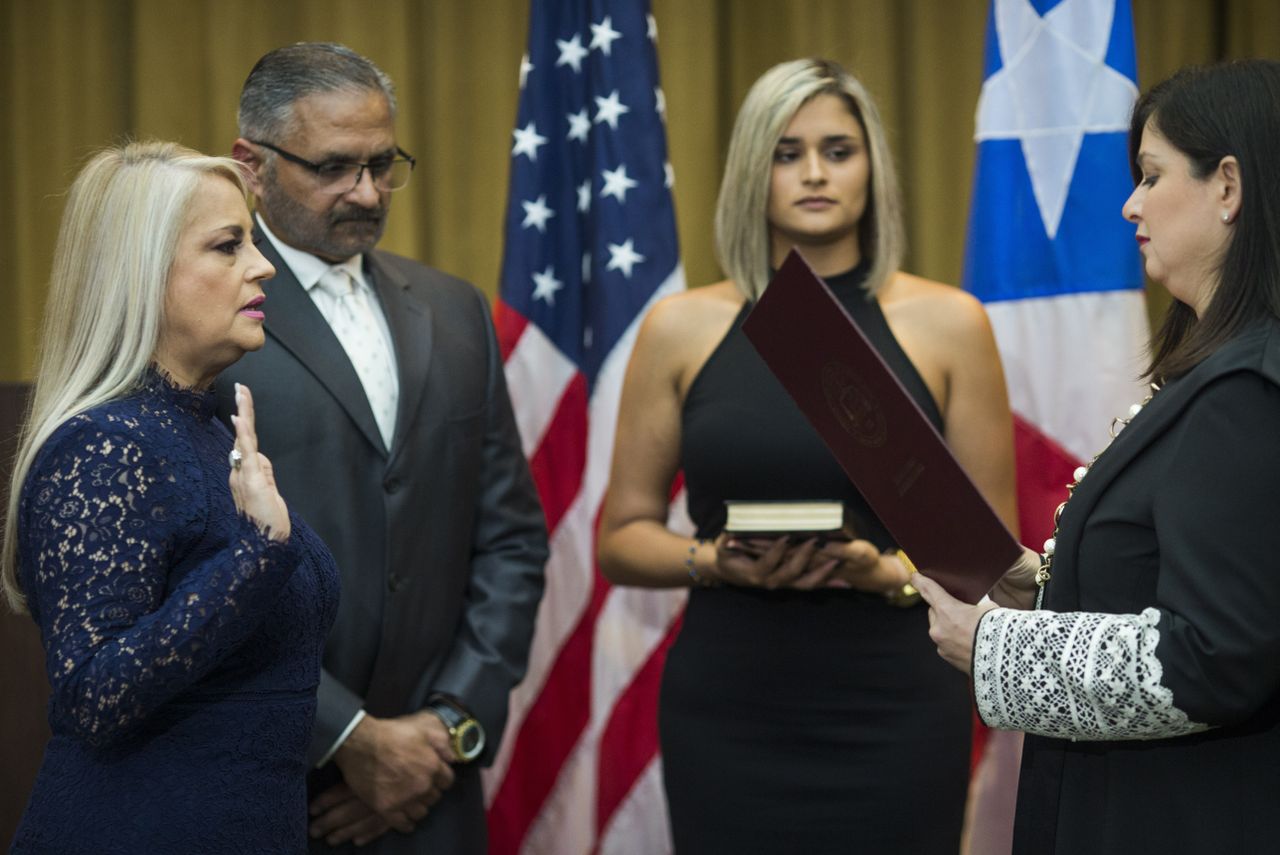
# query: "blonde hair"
[[741, 226], [116, 245]]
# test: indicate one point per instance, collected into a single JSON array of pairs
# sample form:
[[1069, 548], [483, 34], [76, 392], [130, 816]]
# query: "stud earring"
[[1226, 217]]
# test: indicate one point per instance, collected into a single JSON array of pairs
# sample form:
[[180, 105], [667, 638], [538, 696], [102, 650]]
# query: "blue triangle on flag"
[[1009, 256], [1121, 54], [1008, 253], [1043, 7]]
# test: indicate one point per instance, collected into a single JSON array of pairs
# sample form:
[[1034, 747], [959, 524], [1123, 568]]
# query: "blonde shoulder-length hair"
[[741, 225], [116, 245]]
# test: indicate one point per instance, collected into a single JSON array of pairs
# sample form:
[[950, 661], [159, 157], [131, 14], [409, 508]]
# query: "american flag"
[[590, 245], [1056, 265]]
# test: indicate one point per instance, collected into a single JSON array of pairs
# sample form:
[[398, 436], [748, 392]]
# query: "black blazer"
[[1181, 514], [440, 540]]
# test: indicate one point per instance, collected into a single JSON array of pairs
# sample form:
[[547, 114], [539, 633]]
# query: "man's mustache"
[[359, 215]]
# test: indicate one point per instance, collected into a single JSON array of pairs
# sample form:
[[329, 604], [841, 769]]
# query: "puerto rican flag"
[[590, 246], [1057, 266]]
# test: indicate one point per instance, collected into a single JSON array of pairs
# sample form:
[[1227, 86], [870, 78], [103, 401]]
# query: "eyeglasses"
[[343, 176]]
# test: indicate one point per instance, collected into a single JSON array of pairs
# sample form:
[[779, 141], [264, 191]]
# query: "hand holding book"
[[771, 562], [779, 562], [800, 545], [819, 533]]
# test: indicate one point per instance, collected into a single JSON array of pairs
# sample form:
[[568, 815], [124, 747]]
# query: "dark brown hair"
[[1208, 113]]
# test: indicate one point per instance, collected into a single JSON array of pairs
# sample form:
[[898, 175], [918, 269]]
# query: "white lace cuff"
[[1074, 675]]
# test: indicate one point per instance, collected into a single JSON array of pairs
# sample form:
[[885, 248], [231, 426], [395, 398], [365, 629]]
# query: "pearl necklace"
[[1044, 574]]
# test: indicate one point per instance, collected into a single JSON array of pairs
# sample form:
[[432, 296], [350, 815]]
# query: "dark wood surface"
[[23, 687]]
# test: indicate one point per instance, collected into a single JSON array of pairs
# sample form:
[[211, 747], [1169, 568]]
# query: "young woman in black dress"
[[802, 708]]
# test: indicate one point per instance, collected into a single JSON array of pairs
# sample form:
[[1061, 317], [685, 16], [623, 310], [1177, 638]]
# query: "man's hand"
[[398, 767], [338, 815]]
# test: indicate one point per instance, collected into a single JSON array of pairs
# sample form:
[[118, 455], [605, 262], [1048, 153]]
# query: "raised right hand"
[[253, 485]]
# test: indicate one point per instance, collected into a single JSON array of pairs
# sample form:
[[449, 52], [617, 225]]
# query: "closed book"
[[878, 434], [820, 519]]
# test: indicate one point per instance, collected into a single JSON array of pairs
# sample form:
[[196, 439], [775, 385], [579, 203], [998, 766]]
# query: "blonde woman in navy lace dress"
[[181, 608]]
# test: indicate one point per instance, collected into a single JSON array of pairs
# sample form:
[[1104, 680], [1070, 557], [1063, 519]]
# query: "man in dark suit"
[[383, 408]]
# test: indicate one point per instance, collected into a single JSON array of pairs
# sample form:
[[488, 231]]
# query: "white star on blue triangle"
[[1052, 171]]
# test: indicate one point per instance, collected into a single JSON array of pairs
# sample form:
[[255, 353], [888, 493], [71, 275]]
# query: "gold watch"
[[466, 734]]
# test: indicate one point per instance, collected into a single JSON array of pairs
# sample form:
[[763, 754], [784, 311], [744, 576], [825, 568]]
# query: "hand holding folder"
[[877, 433]]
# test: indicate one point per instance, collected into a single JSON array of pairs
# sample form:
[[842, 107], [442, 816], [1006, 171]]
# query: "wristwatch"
[[466, 735]]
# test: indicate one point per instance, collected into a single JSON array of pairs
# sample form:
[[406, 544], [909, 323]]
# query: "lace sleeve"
[[1074, 675], [102, 520]]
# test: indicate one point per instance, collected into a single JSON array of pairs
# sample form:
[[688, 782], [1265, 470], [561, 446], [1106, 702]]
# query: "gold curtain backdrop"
[[77, 74]]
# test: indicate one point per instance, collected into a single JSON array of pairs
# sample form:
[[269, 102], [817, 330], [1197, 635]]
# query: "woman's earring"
[[1226, 217]]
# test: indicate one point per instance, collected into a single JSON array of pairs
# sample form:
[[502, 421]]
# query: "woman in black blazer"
[[1148, 674]]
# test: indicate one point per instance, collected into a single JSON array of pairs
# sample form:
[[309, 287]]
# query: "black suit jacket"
[[1180, 514], [440, 539]]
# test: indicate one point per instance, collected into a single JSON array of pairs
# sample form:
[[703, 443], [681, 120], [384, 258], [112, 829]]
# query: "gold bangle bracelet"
[[907, 595]]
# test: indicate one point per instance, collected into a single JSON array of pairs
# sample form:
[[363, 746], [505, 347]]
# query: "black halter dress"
[[793, 721]]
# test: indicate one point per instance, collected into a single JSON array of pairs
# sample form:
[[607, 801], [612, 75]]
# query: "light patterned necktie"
[[357, 328]]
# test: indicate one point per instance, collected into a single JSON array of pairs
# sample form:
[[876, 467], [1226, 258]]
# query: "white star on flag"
[[579, 125], [527, 141], [660, 100], [579, 769], [653, 28], [616, 183], [571, 53], [537, 213], [525, 67], [1062, 285], [1061, 52], [623, 257], [670, 175], [603, 35], [609, 109], [545, 285]]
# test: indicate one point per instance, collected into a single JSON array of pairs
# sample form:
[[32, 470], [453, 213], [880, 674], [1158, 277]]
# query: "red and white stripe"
[[578, 768], [1071, 363]]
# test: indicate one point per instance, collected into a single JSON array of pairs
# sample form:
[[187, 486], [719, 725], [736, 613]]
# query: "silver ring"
[[235, 458]]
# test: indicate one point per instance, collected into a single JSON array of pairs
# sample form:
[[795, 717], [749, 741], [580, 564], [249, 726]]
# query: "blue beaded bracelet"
[[698, 579]]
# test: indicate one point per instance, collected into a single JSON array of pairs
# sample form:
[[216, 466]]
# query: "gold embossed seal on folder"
[[878, 434], [853, 405]]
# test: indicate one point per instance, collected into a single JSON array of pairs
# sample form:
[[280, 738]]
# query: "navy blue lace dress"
[[182, 646]]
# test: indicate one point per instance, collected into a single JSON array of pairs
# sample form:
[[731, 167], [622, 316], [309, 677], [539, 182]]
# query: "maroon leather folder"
[[878, 433]]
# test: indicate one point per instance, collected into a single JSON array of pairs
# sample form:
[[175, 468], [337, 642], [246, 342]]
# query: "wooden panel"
[[23, 688]]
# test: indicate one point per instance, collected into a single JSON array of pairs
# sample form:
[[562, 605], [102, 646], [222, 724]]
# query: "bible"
[[878, 434], [797, 520]]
